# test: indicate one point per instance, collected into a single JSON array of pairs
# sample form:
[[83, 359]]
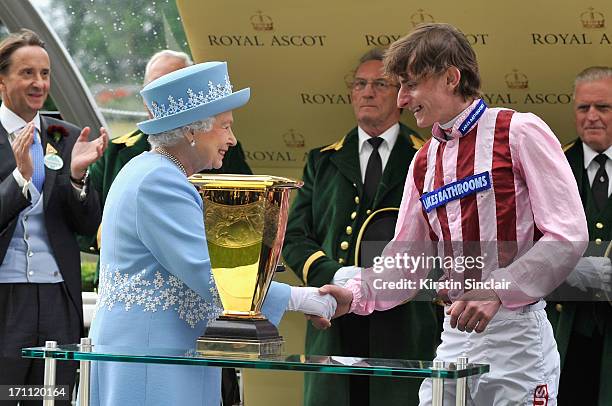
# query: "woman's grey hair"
[[172, 137]]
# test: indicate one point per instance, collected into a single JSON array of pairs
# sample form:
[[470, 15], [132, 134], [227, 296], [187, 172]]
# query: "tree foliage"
[[112, 40]]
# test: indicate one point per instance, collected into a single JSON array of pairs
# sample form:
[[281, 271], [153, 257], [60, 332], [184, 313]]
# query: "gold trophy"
[[245, 218]]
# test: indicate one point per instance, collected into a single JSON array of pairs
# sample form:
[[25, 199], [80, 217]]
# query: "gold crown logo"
[[293, 139], [348, 79], [262, 22], [421, 17], [516, 80], [592, 19]]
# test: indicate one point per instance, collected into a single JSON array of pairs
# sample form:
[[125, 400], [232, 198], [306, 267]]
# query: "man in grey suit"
[[44, 201]]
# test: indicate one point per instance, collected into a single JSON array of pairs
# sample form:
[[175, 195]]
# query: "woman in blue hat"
[[156, 286]]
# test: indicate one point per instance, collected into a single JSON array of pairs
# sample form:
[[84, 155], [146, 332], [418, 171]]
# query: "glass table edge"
[[258, 363]]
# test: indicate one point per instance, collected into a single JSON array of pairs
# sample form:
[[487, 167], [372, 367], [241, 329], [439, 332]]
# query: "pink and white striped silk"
[[532, 214]]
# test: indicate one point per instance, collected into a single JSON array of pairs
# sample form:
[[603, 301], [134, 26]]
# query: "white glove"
[[591, 272], [309, 301], [345, 274]]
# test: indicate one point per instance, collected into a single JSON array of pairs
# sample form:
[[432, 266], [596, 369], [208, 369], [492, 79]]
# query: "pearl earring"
[[193, 142]]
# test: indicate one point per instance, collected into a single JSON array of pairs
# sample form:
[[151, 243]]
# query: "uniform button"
[[356, 199], [598, 241], [599, 225], [354, 185], [25, 218], [447, 179], [559, 307], [55, 273], [341, 261], [92, 249], [30, 273], [30, 253], [344, 245], [353, 215], [368, 211], [349, 230]]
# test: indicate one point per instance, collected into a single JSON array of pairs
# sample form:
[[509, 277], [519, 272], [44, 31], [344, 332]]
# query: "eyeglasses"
[[377, 84]]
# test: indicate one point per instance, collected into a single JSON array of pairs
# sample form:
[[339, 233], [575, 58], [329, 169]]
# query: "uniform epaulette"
[[568, 146], [417, 142], [335, 146], [128, 139]]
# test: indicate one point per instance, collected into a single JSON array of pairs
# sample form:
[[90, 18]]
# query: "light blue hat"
[[189, 95]]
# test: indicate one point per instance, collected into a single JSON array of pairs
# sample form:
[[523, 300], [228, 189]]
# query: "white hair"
[[167, 53], [592, 74], [173, 137]]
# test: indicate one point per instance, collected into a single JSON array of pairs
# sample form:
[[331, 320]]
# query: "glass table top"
[[304, 363]]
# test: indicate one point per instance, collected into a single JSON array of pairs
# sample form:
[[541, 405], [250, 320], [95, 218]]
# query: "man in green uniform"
[[583, 329], [354, 182], [121, 149]]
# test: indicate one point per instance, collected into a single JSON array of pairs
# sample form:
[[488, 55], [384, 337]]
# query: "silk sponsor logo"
[[456, 190], [540, 395], [265, 26]]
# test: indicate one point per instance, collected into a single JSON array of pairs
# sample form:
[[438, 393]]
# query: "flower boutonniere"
[[57, 132]]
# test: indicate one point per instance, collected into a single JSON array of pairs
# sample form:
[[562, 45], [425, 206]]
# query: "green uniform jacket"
[[585, 317], [322, 231], [120, 150]]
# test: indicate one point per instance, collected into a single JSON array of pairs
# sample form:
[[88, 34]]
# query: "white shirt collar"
[[12, 122], [449, 125], [389, 136], [590, 154]]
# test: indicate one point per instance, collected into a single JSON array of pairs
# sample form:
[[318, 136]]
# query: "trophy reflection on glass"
[[245, 218]]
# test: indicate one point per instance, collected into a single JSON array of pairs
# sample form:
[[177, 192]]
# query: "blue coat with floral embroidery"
[[156, 287]]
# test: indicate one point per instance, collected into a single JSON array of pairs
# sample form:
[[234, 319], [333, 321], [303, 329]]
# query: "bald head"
[[164, 62]]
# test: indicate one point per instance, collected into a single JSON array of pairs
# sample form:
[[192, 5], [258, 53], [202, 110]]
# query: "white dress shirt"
[[11, 123], [365, 149], [592, 166]]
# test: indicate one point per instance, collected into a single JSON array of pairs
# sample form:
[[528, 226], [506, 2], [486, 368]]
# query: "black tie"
[[373, 170], [600, 183]]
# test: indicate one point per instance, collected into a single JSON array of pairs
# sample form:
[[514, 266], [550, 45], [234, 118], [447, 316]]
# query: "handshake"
[[321, 305]]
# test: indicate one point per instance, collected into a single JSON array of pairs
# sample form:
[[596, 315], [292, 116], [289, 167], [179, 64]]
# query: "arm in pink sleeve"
[[557, 212]]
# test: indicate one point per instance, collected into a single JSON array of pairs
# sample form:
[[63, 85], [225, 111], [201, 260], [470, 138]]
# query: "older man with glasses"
[[348, 185]]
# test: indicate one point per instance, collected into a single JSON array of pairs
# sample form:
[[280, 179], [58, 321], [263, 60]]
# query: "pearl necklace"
[[172, 158]]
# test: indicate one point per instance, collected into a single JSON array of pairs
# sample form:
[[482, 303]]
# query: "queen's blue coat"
[[156, 287]]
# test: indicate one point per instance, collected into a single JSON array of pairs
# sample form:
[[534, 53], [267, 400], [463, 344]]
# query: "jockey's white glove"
[[591, 272], [308, 300], [345, 274]]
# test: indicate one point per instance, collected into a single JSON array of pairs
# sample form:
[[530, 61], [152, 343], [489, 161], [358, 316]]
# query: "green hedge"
[[88, 273]]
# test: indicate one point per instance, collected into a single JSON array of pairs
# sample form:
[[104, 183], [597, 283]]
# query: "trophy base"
[[237, 337]]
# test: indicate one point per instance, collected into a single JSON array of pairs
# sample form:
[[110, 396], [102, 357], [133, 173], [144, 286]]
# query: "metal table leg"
[[49, 378], [84, 373], [461, 392], [437, 387]]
